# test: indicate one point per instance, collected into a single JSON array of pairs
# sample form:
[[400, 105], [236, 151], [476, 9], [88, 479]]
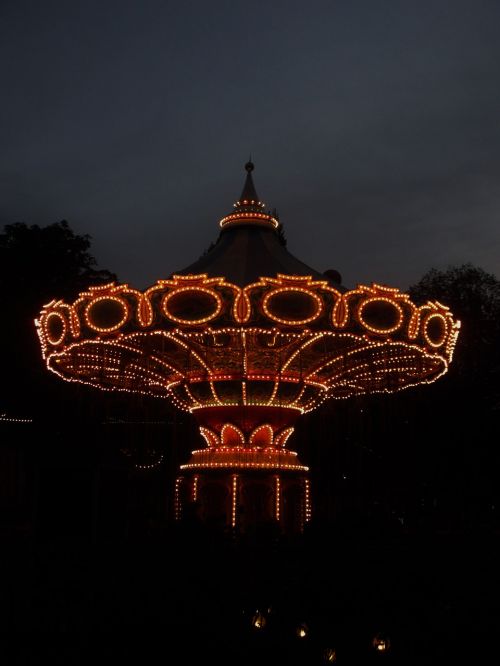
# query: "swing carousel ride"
[[247, 339]]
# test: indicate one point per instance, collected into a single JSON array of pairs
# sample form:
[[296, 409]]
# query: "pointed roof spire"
[[249, 192], [249, 210]]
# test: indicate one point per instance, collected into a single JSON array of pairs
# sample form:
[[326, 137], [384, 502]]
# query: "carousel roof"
[[249, 245], [243, 254]]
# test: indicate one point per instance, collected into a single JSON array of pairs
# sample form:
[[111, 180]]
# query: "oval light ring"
[[55, 328], [292, 306], [106, 314], [435, 329], [183, 306], [380, 315]]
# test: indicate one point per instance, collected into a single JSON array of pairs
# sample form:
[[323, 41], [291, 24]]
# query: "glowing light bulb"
[[302, 630], [330, 655], [258, 620]]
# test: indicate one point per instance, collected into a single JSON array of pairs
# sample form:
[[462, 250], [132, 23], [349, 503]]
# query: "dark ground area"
[[189, 597], [404, 545]]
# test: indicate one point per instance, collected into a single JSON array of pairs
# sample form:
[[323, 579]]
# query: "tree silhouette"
[[463, 406], [37, 264], [473, 295], [41, 263], [427, 457]]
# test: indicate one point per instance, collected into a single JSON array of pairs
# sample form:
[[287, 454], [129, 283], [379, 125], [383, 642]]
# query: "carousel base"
[[242, 489]]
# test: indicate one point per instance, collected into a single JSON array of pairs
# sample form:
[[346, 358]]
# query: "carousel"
[[247, 339]]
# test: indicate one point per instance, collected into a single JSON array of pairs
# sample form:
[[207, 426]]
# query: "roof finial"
[[249, 210]]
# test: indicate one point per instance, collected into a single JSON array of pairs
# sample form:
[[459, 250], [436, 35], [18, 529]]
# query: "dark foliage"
[[426, 458], [37, 264], [468, 290], [473, 295]]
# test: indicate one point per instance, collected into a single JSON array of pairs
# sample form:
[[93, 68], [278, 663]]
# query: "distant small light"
[[258, 620], [302, 630], [330, 655], [381, 643]]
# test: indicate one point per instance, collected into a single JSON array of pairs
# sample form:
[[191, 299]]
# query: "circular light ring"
[[55, 337], [116, 319], [145, 312], [195, 321], [390, 327], [249, 218], [242, 307], [313, 299], [340, 313], [431, 321]]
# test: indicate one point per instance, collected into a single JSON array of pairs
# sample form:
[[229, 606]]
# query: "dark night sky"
[[374, 126]]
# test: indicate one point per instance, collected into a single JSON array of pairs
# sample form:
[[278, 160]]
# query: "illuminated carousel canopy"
[[247, 338]]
